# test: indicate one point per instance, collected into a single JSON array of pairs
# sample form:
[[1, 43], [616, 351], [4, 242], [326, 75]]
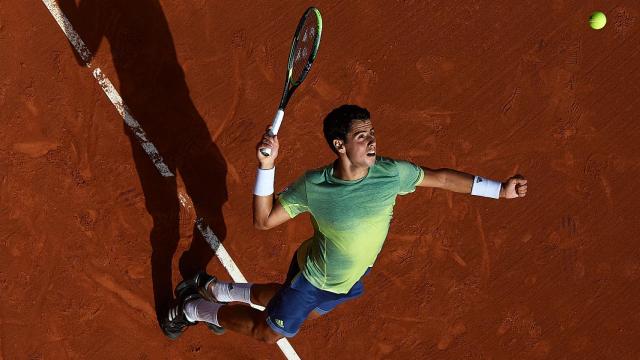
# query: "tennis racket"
[[304, 49]]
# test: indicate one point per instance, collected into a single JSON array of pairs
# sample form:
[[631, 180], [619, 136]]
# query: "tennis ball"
[[597, 20]]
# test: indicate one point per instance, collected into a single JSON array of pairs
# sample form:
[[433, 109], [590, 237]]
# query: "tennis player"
[[351, 205]]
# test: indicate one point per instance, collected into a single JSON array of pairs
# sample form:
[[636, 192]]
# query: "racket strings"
[[304, 48]]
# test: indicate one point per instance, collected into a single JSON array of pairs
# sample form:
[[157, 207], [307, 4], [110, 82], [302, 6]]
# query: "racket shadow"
[[153, 86]]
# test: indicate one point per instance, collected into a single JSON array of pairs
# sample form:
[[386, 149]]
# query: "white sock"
[[202, 310], [228, 292]]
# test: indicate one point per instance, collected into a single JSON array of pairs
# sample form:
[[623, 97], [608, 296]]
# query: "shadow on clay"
[[153, 86]]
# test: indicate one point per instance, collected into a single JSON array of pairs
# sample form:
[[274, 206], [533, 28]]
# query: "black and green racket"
[[304, 49]]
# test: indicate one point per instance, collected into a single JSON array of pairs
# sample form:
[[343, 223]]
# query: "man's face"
[[360, 146]]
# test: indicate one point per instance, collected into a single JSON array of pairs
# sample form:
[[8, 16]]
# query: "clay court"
[[93, 238]]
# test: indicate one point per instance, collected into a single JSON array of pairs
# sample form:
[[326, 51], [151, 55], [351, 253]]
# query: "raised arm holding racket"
[[304, 49]]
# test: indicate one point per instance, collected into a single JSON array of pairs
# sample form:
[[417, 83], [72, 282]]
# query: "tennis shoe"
[[176, 322]]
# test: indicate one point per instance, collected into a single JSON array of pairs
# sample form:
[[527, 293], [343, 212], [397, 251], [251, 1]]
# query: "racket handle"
[[275, 126]]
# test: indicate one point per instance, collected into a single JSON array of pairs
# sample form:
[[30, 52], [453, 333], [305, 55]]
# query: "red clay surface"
[[486, 87]]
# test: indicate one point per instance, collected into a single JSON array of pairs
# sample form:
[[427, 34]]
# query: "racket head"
[[304, 49]]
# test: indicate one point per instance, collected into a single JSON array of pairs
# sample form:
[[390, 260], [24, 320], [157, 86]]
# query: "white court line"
[[151, 150], [133, 124], [107, 87]]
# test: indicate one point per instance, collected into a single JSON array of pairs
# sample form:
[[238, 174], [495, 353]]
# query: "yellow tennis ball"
[[597, 20]]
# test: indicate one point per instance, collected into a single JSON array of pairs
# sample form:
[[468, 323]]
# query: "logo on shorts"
[[279, 322]]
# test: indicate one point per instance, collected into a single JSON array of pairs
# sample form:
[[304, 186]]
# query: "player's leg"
[[291, 305], [284, 315], [216, 290], [251, 322], [247, 321], [287, 305], [219, 317], [190, 308], [261, 294]]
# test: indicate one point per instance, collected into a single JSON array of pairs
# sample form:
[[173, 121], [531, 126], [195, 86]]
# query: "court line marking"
[[107, 87], [151, 150]]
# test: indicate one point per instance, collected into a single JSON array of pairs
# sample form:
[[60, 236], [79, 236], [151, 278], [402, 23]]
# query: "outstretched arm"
[[267, 211], [461, 182]]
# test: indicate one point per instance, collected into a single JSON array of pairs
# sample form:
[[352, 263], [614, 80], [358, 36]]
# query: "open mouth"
[[371, 153]]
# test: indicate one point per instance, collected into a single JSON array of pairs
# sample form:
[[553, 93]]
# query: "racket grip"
[[275, 126], [277, 120]]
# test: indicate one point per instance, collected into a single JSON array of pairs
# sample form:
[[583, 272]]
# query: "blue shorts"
[[293, 303]]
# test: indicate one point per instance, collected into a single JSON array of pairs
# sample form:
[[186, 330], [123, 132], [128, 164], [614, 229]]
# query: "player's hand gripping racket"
[[304, 49]]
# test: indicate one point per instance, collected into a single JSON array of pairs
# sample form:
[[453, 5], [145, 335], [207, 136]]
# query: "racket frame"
[[290, 87]]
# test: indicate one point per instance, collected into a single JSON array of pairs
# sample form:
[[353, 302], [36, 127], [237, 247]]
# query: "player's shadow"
[[153, 86]]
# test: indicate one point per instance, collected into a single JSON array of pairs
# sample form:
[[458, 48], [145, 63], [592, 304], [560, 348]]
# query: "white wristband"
[[485, 187], [264, 182]]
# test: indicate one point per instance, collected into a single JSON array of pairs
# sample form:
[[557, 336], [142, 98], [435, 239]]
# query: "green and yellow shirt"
[[350, 218]]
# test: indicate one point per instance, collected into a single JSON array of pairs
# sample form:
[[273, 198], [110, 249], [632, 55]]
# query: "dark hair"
[[338, 122]]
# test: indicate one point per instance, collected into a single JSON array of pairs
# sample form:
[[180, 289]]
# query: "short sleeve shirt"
[[350, 218]]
